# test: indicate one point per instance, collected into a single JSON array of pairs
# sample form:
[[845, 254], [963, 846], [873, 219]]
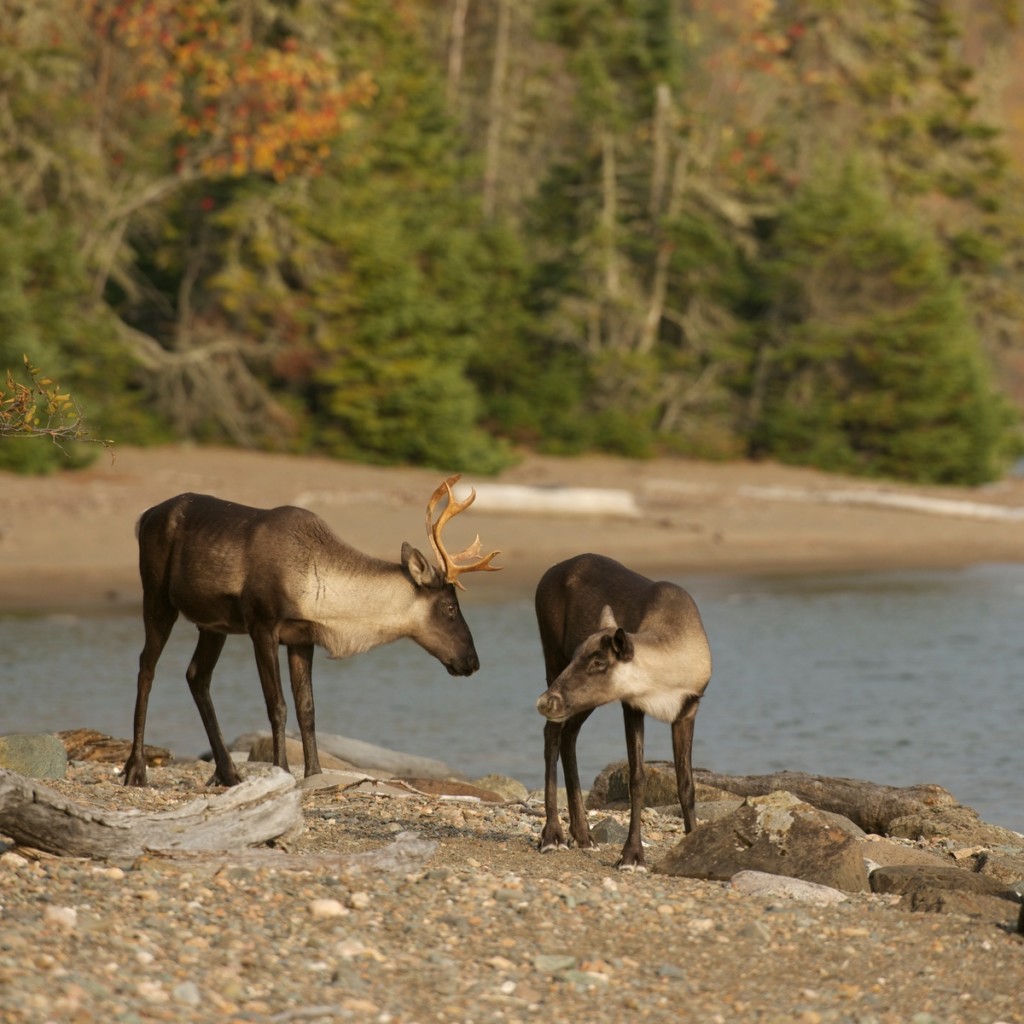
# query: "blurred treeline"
[[436, 231]]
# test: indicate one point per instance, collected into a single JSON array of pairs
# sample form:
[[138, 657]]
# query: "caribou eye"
[[597, 664]]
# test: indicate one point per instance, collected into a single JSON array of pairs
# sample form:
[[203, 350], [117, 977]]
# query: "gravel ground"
[[485, 929]]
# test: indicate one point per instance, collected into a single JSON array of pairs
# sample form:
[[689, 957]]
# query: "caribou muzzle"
[[552, 706], [465, 665]]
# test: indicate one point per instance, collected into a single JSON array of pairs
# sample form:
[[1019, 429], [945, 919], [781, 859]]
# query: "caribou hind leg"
[[158, 620], [682, 752], [300, 669], [199, 675], [265, 645]]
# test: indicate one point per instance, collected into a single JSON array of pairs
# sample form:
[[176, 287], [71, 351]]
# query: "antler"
[[446, 562]]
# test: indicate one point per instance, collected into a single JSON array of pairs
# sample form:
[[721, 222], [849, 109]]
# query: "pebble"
[[486, 930], [62, 917], [187, 993], [549, 963], [327, 908]]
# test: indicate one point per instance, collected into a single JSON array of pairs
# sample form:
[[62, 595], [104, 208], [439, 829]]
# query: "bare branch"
[[208, 380], [40, 409]]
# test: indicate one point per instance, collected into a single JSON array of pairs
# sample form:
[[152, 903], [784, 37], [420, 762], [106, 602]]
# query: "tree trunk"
[[456, 41], [610, 216], [260, 809], [496, 109], [661, 146], [661, 210]]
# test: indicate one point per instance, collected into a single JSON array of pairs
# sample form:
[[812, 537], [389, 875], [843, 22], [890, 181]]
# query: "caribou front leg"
[[551, 837], [578, 827], [632, 858]]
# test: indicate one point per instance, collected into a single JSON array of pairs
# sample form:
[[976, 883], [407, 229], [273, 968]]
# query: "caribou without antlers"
[[609, 633], [283, 577]]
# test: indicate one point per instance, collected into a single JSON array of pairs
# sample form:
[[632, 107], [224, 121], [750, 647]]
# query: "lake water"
[[899, 678]]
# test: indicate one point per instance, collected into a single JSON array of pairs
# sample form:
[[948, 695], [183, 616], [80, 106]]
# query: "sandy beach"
[[67, 541]]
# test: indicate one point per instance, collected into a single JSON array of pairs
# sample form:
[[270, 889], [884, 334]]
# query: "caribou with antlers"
[[284, 578]]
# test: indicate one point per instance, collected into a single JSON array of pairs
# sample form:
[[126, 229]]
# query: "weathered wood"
[[260, 809], [867, 804], [90, 745]]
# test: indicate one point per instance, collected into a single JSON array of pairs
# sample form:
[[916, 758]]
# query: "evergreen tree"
[[869, 363], [401, 289], [403, 230]]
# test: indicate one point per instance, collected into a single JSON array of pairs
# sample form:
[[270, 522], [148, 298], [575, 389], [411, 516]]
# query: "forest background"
[[441, 231]]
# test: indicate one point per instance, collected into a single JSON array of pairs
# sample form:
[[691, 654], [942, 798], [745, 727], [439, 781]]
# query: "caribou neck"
[[664, 674], [356, 610]]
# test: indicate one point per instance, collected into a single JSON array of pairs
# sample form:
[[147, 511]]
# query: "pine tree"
[[870, 364]]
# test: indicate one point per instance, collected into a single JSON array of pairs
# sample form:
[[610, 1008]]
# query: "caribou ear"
[[607, 618], [422, 572], [622, 644]]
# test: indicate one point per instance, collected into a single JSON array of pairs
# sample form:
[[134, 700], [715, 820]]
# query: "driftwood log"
[[867, 804], [90, 745], [262, 808]]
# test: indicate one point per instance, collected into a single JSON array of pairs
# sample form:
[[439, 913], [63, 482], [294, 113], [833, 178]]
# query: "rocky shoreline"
[[467, 922]]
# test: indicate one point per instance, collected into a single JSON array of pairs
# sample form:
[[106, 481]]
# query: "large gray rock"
[[34, 755], [262, 750], [960, 825], [949, 890], [370, 758], [611, 787], [879, 852], [709, 810], [760, 883], [609, 832], [507, 788], [910, 880], [778, 834], [1006, 866]]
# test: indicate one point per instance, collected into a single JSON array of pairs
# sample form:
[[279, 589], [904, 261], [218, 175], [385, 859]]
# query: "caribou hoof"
[[638, 869], [553, 844], [216, 782]]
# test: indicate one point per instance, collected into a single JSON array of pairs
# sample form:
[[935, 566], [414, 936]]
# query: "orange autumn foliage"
[[238, 104]]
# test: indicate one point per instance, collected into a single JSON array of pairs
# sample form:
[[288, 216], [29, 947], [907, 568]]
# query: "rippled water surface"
[[898, 678]]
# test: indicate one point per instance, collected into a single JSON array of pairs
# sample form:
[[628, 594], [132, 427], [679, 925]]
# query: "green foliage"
[[589, 225], [871, 364], [30, 267], [402, 291], [38, 306], [393, 353]]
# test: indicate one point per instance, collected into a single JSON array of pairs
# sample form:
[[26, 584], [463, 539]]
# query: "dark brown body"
[[609, 633], [281, 576]]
